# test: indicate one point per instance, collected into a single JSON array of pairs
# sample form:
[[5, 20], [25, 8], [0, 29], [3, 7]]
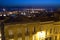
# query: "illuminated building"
[[33, 31]]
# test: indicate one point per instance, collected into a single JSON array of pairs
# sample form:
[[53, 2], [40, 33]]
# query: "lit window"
[[34, 37], [55, 30], [51, 30], [0, 34], [34, 30], [19, 31], [10, 32], [26, 30], [27, 38], [20, 38], [11, 35], [40, 28]]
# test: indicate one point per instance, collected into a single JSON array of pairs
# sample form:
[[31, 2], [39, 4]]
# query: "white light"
[[10, 12], [34, 37], [22, 13], [41, 34], [4, 15], [0, 39]]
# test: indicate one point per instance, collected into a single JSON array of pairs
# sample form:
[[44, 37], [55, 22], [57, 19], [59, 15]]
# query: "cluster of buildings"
[[40, 13], [23, 12]]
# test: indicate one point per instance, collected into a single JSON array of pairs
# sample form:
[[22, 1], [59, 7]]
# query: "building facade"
[[33, 31]]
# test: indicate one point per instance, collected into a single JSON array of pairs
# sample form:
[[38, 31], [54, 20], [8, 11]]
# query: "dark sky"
[[31, 3]]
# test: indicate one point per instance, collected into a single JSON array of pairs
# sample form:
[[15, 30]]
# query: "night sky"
[[29, 3]]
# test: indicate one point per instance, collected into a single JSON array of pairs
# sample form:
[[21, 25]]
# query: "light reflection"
[[39, 35]]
